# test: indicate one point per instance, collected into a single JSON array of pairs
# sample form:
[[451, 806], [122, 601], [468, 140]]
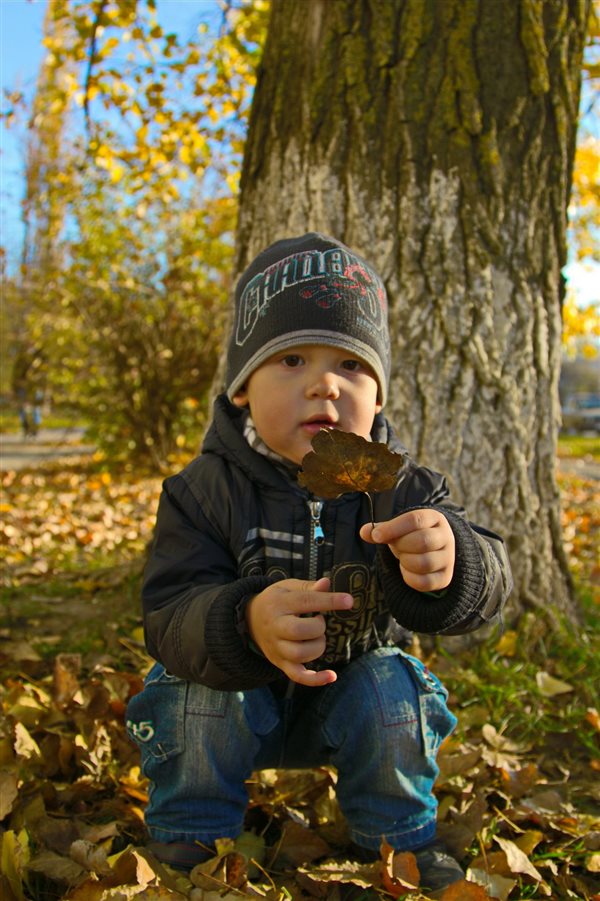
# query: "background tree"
[[130, 212], [438, 140]]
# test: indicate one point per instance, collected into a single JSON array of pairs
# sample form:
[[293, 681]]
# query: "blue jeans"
[[380, 725]]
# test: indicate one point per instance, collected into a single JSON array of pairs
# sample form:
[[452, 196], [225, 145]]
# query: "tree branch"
[[91, 60]]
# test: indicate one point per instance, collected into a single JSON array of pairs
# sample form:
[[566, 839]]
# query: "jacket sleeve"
[[482, 579], [193, 599]]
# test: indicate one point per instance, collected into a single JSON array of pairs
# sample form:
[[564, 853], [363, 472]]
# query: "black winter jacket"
[[232, 522]]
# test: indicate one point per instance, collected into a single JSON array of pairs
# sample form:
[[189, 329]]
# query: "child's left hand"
[[423, 543]]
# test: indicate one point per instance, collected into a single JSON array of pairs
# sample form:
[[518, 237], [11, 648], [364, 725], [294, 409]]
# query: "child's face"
[[298, 391]]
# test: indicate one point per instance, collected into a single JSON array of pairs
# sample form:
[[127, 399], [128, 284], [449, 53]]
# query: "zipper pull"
[[318, 535]]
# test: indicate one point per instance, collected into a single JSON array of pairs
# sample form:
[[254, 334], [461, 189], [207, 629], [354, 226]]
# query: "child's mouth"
[[315, 425]]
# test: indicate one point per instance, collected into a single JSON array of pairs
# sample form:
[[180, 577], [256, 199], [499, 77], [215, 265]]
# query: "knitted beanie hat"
[[308, 290]]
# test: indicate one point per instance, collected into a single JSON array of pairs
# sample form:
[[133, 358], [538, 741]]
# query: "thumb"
[[366, 531]]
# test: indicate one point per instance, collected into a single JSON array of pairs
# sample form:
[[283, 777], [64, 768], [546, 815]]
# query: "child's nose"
[[325, 384]]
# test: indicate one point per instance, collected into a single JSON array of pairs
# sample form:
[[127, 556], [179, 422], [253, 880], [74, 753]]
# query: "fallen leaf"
[[91, 857], [529, 841], [497, 887], [501, 742], [464, 891], [66, 678], [507, 645], [593, 718], [56, 867], [549, 687], [519, 782], [300, 845], [342, 461], [592, 864], [236, 870], [400, 873], [8, 792], [517, 860], [363, 875]]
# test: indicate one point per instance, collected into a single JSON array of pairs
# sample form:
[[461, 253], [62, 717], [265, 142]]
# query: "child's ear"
[[240, 398]]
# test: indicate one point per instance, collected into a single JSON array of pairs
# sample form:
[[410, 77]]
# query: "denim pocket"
[[437, 722], [424, 678], [155, 718]]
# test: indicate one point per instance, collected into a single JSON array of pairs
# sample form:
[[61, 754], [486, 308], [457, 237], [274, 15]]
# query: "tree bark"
[[436, 137]]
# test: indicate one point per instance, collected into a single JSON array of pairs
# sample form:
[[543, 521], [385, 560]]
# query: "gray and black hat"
[[308, 290]]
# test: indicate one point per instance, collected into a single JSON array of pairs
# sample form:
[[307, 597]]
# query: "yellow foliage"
[[581, 328]]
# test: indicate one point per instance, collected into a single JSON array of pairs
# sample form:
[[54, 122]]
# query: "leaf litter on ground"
[[516, 803]]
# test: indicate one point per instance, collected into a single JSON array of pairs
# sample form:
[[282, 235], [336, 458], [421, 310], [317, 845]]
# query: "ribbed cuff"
[[226, 646], [423, 612]]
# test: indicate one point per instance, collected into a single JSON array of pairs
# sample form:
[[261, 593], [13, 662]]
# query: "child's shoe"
[[179, 855], [437, 867]]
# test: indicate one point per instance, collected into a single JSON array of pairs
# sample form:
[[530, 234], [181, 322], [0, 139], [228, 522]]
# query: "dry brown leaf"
[[400, 873], [497, 887], [66, 678], [301, 845], [56, 867], [91, 857], [364, 875], [501, 742], [464, 891], [8, 791], [342, 461], [517, 860], [518, 782]]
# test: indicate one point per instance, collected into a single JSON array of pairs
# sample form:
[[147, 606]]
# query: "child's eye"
[[352, 365], [292, 360]]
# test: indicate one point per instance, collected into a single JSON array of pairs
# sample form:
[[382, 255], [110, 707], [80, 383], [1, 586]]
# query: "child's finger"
[[318, 601], [413, 521], [312, 678]]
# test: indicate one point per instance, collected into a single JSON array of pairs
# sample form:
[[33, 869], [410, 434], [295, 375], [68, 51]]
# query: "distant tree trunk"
[[437, 138], [46, 164]]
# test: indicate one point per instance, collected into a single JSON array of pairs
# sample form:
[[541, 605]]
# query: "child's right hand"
[[279, 625]]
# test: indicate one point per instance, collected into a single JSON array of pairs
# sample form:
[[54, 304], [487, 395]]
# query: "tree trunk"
[[436, 137]]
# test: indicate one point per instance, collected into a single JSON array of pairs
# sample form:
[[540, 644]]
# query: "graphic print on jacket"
[[348, 631]]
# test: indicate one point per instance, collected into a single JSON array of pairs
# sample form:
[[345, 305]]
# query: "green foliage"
[[143, 301]]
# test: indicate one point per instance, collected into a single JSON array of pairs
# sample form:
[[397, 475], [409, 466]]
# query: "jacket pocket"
[[155, 718]]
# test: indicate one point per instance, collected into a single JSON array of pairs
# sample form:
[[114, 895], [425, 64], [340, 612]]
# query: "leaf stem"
[[371, 508]]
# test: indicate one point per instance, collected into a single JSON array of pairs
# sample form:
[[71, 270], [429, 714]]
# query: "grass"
[[100, 609], [579, 446], [10, 423], [506, 678]]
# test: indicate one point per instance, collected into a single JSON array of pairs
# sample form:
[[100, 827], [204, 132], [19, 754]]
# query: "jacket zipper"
[[317, 537]]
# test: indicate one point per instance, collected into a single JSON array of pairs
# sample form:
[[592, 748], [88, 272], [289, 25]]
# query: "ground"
[[518, 780]]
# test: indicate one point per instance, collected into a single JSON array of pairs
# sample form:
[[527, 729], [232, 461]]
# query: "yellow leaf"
[[549, 687], [507, 645], [13, 859]]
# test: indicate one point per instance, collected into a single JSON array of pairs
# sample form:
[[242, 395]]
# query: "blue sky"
[[20, 55], [21, 51]]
